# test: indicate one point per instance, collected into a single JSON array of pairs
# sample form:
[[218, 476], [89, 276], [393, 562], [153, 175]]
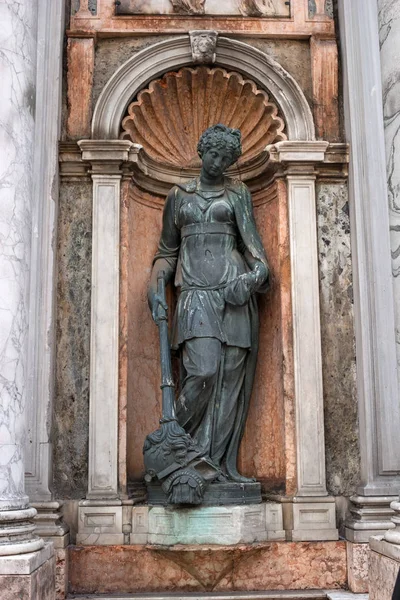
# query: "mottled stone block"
[[382, 576], [61, 573], [269, 566], [357, 567]]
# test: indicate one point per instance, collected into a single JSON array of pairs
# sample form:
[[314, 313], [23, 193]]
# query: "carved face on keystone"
[[203, 44]]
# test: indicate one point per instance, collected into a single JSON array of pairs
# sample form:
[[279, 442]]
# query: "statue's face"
[[216, 161]]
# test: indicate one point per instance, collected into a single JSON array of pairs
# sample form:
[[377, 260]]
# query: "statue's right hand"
[[156, 302]]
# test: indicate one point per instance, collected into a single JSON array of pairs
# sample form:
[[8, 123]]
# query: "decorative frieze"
[[246, 8]]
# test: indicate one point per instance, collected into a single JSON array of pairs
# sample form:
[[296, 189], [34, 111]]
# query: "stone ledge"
[[272, 595], [25, 564], [379, 545], [223, 525], [278, 595]]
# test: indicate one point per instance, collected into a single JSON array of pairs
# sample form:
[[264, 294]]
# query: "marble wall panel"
[[71, 406], [338, 343], [389, 36], [262, 451], [143, 385], [17, 109]]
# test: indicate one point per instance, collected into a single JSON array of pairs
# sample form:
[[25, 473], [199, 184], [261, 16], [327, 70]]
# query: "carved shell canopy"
[[169, 116]]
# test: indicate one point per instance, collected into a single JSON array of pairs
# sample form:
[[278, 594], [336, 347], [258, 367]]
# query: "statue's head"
[[219, 147]]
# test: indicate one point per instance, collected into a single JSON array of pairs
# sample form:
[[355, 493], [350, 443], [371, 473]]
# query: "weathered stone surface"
[[61, 573], [71, 406], [275, 565], [293, 55], [382, 576], [338, 345], [357, 567], [112, 53], [39, 585], [80, 78]]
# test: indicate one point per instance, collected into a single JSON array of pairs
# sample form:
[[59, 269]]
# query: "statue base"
[[216, 525], [216, 494]]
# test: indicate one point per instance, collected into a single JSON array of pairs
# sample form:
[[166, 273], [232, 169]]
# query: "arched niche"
[[286, 206], [169, 55], [166, 118]]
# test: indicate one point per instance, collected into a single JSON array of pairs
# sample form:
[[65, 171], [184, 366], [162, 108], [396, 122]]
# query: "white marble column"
[[17, 109]]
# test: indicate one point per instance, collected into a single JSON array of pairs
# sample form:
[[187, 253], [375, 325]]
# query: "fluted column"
[[17, 109]]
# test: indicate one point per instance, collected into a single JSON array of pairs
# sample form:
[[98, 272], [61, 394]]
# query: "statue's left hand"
[[156, 302]]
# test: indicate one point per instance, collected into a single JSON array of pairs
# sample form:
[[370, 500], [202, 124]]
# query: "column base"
[[370, 515], [17, 532], [310, 519], [28, 576], [49, 523]]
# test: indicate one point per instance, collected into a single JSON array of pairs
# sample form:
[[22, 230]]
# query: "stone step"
[[271, 595]]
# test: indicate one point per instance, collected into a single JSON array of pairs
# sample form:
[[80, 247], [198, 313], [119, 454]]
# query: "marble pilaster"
[[311, 514], [389, 38], [377, 385]]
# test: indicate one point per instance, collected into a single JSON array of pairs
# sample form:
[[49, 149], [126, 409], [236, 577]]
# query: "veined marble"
[[17, 99], [389, 34]]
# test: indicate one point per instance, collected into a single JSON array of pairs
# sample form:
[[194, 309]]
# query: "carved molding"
[[172, 54], [169, 116]]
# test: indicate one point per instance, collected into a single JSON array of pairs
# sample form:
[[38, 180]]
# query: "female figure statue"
[[210, 245]]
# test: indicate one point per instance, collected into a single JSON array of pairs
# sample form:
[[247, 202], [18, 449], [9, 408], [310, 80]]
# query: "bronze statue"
[[211, 248]]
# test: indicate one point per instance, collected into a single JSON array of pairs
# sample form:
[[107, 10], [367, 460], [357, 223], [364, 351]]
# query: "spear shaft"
[[167, 383]]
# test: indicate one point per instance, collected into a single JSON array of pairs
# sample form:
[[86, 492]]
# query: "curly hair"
[[221, 136]]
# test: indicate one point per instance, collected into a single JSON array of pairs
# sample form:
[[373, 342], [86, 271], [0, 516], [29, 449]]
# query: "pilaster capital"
[[105, 156], [298, 151]]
